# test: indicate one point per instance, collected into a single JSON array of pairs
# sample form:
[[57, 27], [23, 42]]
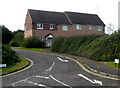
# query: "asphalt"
[[96, 65], [49, 71]]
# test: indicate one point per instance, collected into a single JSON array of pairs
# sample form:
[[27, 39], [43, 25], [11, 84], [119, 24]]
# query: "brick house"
[[47, 25]]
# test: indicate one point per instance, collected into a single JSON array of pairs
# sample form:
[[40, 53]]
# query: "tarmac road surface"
[[50, 71]]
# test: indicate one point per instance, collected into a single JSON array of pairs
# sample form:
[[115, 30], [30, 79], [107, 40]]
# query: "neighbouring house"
[[47, 24]]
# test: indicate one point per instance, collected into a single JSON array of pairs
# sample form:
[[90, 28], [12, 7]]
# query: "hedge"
[[95, 47]]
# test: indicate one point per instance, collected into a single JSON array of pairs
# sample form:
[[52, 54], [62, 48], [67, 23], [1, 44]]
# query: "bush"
[[95, 47], [9, 56], [14, 43], [33, 42]]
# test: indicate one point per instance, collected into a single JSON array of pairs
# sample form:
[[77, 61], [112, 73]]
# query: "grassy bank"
[[23, 62], [111, 64], [33, 49]]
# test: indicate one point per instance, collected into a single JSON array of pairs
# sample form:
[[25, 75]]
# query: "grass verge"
[[22, 63], [111, 64], [33, 49]]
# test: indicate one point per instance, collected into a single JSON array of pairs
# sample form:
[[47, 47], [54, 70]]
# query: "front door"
[[49, 39]]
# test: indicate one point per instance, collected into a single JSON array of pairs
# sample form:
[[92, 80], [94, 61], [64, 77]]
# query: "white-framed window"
[[78, 27], [65, 28], [51, 26], [99, 28], [39, 26], [90, 27]]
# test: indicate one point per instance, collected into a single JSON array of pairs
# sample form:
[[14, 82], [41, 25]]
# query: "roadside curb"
[[87, 68], [20, 69]]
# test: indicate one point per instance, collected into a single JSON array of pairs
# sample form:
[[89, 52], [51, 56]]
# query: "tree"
[[110, 28], [6, 35], [18, 38]]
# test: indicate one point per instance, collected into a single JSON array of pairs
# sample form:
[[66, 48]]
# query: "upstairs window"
[[51, 26], [99, 28], [78, 27], [90, 27], [65, 28], [39, 26]]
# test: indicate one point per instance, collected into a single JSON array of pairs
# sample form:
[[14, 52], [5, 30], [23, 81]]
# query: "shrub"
[[9, 56], [33, 42]]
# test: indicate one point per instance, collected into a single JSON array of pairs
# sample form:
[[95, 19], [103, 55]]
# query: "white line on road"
[[36, 84], [49, 69], [13, 84], [60, 81], [37, 76], [92, 81], [62, 59]]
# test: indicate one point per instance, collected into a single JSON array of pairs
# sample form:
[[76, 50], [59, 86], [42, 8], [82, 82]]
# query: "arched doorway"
[[48, 40]]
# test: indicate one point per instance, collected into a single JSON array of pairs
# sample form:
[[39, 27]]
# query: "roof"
[[39, 16], [83, 18]]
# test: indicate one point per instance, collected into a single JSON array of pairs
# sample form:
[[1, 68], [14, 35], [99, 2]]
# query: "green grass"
[[111, 64], [33, 49], [18, 65]]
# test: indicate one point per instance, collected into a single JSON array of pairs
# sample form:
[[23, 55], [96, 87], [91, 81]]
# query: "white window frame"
[[99, 28], [65, 28], [51, 26], [78, 27], [39, 26], [90, 27]]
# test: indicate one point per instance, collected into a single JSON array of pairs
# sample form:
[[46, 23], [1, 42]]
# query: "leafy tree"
[[6, 35], [18, 38]]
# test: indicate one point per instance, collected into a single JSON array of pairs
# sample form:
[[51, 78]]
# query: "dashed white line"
[[36, 84], [60, 81], [37, 76], [62, 59]]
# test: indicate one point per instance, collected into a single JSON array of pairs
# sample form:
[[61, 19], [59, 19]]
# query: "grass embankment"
[[111, 64], [33, 49], [23, 62]]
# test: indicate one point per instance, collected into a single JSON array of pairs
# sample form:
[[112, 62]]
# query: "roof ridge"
[[44, 11], [68, 18], [80, 13]]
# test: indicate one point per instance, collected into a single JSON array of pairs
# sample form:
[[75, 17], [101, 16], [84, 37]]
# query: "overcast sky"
[[13, 12]]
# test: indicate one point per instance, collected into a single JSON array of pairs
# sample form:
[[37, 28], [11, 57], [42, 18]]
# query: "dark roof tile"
[[82, 18], [39, 16]]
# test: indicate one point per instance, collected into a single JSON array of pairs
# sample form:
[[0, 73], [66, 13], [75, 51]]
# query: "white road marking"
[[92, 81], [37, 84], [60, 81], [42, 77], [62, 59], [30, 82], [49, 69], [13, 84]]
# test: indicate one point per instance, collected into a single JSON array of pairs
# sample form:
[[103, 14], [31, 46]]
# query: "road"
[[50, 71]]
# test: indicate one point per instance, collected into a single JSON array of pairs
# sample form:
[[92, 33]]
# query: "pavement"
[[54, 71], [94, 65]]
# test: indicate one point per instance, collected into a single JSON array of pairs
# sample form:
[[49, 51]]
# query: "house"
[[47, 24]]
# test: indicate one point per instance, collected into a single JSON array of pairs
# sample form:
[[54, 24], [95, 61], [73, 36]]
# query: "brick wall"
[[72, 31]]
